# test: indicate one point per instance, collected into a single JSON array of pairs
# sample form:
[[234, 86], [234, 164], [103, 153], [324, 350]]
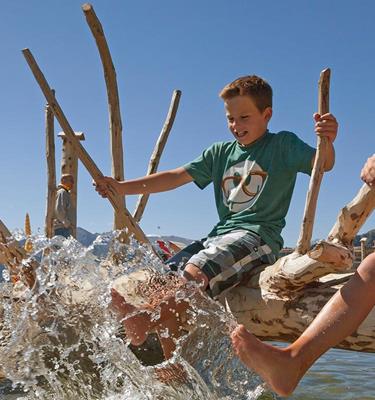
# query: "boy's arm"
[[155, 183], [326, 125]]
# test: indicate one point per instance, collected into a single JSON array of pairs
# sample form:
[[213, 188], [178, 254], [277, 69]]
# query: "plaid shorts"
[[225, 259]]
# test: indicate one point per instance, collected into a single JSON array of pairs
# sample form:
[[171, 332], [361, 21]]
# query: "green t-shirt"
[[253, 184]]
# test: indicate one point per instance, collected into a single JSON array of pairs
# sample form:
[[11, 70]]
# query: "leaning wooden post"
[[304, 240], [158, 150], [69, 165], [80, 150], [115, 124], [353, 216], [11, 252], [51, 170], [363, 248]]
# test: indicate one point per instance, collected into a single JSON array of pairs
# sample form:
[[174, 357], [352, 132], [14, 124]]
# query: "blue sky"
[[197, 47]]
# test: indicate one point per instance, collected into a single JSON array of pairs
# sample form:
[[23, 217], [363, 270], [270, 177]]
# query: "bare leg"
[[282, 369]]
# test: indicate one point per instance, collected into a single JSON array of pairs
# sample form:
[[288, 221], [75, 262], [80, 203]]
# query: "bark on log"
[[285, 320], [280, 301], [353, 216], [80, 150], [115, 124], [158, 150], [317, 173], [11, 252], [69, 165], [51, 171]]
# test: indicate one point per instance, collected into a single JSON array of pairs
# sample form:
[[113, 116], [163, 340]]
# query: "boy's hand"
[[368, 171], [326, 125], [105, 185]]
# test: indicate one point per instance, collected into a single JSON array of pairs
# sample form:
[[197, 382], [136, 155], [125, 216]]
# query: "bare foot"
[[277, 367]]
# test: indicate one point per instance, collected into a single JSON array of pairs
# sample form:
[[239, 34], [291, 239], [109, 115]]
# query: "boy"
[[283, 368], [253, 178]]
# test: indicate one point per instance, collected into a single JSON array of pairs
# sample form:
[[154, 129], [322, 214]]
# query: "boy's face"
[[245, 120]]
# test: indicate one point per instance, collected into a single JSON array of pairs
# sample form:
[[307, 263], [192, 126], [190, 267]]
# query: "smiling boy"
[[253, 178]]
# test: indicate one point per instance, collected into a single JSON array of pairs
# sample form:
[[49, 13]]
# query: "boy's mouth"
[[241, 134]]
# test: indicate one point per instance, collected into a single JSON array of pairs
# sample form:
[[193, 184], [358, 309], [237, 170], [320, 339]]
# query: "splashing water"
[[61, 340]]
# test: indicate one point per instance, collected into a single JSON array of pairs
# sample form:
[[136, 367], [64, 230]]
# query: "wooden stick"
[[158, 150], [81, 152], [115, 124], [303, 244], [12, 253], [69, 165], [51, 170]]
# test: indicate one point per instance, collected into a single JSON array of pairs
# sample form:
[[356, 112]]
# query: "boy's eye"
[[244, 117]]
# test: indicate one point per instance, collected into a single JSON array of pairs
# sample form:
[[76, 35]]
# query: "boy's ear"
[[267, 113]]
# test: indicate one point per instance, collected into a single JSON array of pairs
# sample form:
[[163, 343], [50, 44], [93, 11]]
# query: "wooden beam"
[[304, 240], [158, 150], [51, 170], [353, 216], [115, 124], [80, 150], [69, 165]]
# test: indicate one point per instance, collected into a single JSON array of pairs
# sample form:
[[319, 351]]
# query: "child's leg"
[[282, 369]]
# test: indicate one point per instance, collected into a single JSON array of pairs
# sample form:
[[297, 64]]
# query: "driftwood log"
[[69, 165], [158, 150], [280, 301], [115, 123], [51, 170], [83, 155]]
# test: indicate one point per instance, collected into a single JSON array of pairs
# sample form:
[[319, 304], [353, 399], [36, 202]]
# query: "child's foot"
[[276, 366]]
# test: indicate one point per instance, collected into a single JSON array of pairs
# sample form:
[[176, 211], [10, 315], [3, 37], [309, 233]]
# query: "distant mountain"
[[85, 237]]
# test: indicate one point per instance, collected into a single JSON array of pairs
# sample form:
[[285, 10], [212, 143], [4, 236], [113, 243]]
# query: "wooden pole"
[[363, 248], [158, 150], [80, 150], [12, 253], [115, 124], [353, 216], [69, 165], [51, 170], [304, 240]]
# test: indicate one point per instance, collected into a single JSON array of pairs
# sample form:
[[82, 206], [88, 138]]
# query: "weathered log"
[[51, 171], [332, 253], [353, 216], [158, 150], [363, 248], [285, 320], [280, 301], [115, 124], [317, 173], [12, 252], [13, 256], [80, 150], [69, 165]]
